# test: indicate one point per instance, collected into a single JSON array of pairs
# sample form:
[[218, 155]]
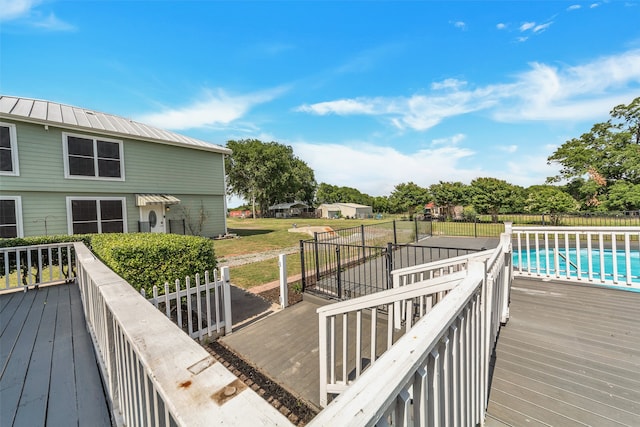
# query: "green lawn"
[[265, 234]]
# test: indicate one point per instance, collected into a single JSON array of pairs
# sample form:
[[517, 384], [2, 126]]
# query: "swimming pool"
[[604, 265]]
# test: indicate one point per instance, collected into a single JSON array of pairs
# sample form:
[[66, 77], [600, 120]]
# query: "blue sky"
[[369, 93]]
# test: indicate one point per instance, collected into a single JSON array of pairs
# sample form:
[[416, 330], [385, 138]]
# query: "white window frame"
[[96, 177], [13, 140], [18, 200], [98, 199]]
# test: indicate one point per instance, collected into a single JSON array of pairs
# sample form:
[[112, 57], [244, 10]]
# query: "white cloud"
[[342, 107], [527, 26], [541, 27], [522, 39], [573, 7], [501, 26], [52, 23], [376, 170], [508, 148], [459, 24], [594, 5], [13, 9], [452, 140], [571, 93], [448, 84], [215, 108], [544, 92]]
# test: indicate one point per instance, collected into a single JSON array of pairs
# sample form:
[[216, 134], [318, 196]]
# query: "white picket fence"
[[205, 304]]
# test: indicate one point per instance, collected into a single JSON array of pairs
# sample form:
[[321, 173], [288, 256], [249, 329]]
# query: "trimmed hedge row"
[[142, 259], [148, 259]]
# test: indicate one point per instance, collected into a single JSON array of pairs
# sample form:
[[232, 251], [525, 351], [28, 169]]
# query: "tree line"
[[599, 171]]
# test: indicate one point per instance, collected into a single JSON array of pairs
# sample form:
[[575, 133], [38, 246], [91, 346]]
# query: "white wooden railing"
[[207, 303], [437, 374], [596, 255], [384, 317], [31, 266], [154, 373]]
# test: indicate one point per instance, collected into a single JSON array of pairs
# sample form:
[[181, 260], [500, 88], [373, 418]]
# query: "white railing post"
[[224, 272], [506, 277], [284, 290]]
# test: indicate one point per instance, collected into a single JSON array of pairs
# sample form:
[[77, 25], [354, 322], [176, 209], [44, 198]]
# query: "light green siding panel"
[[148, 167], [189, 209], [38, 206]]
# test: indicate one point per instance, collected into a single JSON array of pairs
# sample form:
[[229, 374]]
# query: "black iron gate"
[[345, 271]]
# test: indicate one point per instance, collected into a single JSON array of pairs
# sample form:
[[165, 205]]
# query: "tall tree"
[[608, 153], [406, 197], [267, 173], [328, 193], [623, 196], [548, 199], [450, 195], [492, 196]]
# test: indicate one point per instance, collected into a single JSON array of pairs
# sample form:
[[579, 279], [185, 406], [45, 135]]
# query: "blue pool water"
[[536, 262]]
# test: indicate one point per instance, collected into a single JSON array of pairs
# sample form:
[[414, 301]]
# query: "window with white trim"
[[96, 215], [89, 157], [8, 149], [10, 217]]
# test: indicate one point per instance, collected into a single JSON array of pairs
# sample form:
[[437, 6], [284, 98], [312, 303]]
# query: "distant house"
[[240, 213], [437, 212], [344, 210], [70, 170], [288, 210]]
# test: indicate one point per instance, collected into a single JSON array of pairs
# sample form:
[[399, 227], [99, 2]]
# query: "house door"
[[154, 216]]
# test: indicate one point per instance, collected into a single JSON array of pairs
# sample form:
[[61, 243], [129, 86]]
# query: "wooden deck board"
[[48, 366], [33, 401], [569, 355]]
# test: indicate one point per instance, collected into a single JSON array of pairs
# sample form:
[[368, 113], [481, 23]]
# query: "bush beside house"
[[148, 259]]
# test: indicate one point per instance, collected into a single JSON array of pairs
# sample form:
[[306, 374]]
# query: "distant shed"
[[288, 210], [344, 210]]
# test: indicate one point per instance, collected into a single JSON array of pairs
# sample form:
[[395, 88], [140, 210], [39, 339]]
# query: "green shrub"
[[148, 259]]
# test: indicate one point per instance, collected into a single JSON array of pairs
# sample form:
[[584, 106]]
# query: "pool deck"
[[48, 370], [569, 355]]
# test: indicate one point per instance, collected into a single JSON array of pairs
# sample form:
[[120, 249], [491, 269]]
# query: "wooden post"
[[284, 290], [226, 286]]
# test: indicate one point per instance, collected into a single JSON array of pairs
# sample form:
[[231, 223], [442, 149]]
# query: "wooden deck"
[[48, 370], [570, 355]]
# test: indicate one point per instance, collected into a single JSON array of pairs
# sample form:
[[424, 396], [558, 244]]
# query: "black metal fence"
[[176, 226], [358, 261]]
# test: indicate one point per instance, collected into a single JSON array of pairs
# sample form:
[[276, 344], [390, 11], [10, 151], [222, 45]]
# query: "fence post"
[[284, 290], [315, 250], [364, 250], [475, 227], [339, 273], [395, 233], [389, 262], [415, 226], [302, 272], [226, 286]]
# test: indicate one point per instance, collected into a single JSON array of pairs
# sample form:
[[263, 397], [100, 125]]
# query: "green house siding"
[[194, 176]]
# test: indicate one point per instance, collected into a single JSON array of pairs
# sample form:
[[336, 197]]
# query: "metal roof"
[[288, 206], [69, 117]]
